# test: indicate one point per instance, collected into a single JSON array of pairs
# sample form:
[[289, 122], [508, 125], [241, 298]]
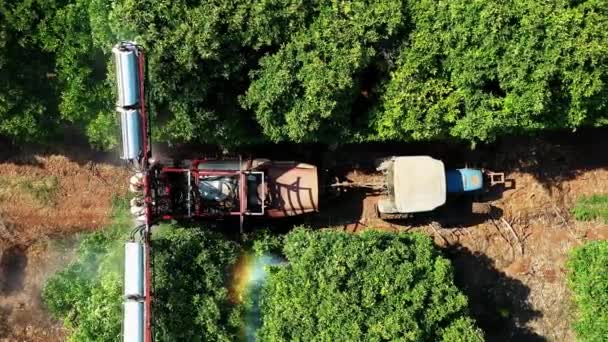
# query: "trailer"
[[216, 188]]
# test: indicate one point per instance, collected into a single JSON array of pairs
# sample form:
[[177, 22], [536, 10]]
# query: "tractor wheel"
[[481, 208], [382, 164], [392, 216]]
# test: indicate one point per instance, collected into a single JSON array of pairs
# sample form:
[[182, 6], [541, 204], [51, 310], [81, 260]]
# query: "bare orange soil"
[[42, 199], [81, 199]]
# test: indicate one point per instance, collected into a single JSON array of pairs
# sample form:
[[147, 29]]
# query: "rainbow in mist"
[[249, 274]]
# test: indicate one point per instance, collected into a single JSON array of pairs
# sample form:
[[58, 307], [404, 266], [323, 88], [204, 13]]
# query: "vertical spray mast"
[[131, 107]]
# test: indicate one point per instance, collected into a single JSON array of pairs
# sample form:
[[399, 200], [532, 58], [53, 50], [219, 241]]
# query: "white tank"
[[131, 129], [133, 323], [134, 269], [127, 75]]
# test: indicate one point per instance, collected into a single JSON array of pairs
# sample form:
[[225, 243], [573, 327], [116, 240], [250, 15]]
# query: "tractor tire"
[[393, 216], [481, 208], [382, 164]]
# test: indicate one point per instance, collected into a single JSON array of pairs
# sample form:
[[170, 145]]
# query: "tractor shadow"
[[463, 212], [345, 210], [496, 192], [13, 262], [460, 214], [498, 303]]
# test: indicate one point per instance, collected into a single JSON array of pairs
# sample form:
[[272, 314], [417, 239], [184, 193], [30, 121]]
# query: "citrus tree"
[[248, 71], [371, 286], [191, 271]]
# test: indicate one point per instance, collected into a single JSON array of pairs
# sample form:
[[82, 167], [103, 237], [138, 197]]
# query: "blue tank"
[[130, 122], [464, 180], [127, 79]]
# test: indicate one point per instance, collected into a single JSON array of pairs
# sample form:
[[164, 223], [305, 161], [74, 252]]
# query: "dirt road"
[[512, 265]]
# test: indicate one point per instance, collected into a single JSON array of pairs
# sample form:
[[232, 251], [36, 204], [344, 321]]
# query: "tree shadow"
[[551, 156], [499, 303], [71, 143]]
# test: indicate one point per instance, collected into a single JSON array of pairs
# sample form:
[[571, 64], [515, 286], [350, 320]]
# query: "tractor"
[[421, 184]]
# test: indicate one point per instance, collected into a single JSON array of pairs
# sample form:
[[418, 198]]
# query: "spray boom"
[[131, 106]]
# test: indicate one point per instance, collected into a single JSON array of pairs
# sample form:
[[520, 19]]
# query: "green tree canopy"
[[200, 54], [476, 69], [25, 91], [304, 70], [54, 73], [191, 270], [363, 287], [306, 90]]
